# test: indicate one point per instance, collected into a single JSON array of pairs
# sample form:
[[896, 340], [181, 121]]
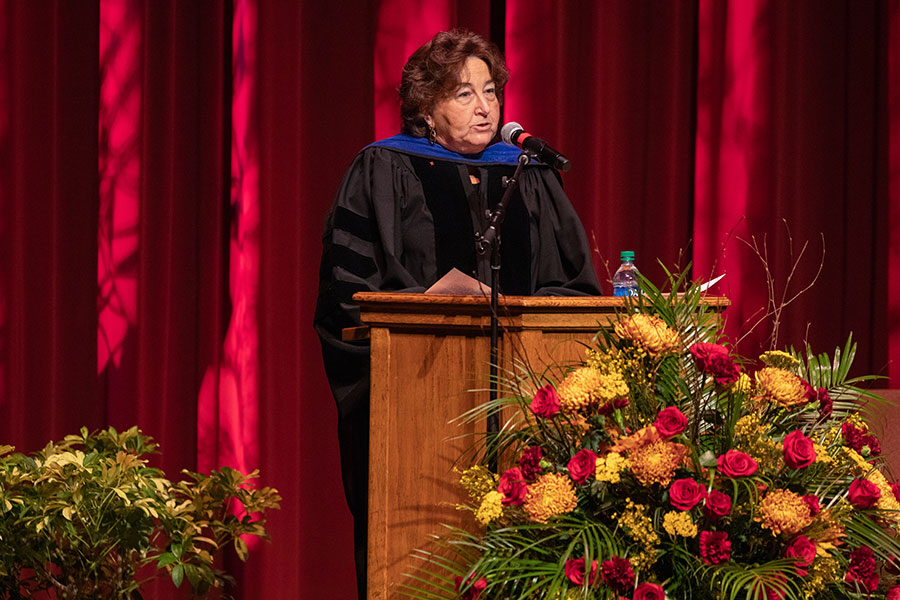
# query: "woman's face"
[[467, 120]]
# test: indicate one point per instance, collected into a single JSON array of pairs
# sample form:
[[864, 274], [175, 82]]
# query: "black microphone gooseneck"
[[515, 134], [491, 239]]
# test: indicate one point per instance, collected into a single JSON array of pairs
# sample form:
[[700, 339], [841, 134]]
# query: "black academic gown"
[[406, 214]]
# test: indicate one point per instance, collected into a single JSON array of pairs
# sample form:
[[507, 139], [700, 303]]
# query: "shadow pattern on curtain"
[[139, 284]]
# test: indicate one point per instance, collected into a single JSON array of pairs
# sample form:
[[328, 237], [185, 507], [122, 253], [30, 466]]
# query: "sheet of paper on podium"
[[457, 283]]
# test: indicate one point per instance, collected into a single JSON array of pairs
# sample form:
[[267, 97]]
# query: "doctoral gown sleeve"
[[360, 248], [563, 263]]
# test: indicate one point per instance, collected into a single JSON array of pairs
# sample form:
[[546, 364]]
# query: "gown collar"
[[500, 153]]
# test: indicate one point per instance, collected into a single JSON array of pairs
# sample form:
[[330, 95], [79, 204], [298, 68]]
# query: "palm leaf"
[[734, 581]]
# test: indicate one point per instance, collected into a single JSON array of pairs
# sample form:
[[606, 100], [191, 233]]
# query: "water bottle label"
[[625, 291]]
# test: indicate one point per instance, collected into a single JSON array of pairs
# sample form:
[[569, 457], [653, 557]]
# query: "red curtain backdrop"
[[165, 170], [894, 193], [792, 148]]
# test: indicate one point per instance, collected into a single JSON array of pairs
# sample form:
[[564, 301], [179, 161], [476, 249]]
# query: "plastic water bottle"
[[625, 280]]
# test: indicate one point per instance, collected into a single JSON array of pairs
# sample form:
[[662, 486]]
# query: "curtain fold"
[[49, 197], [181, 222], [791, 151], [893, 273], [315, 113], [138, 285], [611, 84], [403, 26]]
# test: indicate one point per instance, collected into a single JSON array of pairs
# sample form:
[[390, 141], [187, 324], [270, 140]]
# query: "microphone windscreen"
[[509, 132]]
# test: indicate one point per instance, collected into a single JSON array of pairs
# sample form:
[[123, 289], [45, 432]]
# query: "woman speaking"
[[409, 210]]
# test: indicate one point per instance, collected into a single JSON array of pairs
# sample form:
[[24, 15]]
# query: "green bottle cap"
[[627, 255]]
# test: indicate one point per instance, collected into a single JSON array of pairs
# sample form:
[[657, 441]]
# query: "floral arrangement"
[[663, 465]]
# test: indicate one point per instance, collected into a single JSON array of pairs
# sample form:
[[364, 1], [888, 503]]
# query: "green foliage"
[[728, 405], [85, 517]]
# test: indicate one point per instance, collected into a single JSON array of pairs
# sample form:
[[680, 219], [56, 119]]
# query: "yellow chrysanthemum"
[[830, 435], [491, 508], [552, 494], [586, 387], [679, 523], [887, 501], [574, 594], [779, 360], [860, 467], [783, 511], [637, 522], [822, 455], [822, 572], [750, 437], [749, 427], [630, 362], [656, 462], [855, 461], [778, 385], [478, 481], [610, 466], [650, 333], [857, 421], [596, 359], [742, 385]]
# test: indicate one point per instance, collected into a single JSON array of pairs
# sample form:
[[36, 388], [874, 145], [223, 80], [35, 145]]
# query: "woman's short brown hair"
[[432, 73]]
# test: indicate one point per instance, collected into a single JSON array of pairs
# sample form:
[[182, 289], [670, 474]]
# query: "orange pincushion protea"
[[650, 333], [780, 386], [552, 494]]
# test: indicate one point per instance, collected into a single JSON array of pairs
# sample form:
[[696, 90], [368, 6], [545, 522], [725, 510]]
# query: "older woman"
[[408, 212]]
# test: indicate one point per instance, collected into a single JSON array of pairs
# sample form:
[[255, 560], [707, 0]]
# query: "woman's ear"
[[429, 120]]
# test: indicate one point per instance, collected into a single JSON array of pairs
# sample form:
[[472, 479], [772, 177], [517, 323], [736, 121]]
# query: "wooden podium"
[[428, 353]]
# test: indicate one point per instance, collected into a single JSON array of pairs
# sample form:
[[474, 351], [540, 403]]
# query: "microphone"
[[515, 134]]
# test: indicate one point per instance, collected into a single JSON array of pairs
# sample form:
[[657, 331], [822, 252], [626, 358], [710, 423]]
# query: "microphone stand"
[[491, 238]]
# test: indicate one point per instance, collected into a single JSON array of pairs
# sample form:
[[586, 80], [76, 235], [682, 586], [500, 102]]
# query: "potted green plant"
[[88, 518]]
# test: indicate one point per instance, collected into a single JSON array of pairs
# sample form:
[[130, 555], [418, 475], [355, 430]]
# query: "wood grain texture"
[[430, 364]]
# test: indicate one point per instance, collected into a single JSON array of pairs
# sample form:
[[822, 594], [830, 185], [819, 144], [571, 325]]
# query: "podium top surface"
[[391, 309], [387, 299]]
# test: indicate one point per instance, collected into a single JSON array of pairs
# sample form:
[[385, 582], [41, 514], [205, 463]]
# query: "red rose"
[[799, 452], [513, 487], [863, 493], [670, 421], [684, 494], [530, 462], [617, 574], [813, 503], [804, 551], [893, 593], [895, 489], [714, 547], [575, 571], [713, 359], [777, 591], [718, 505], [862, 569], [546, 402], [735, 463], [649, 591], [474, 590], [582, 465]]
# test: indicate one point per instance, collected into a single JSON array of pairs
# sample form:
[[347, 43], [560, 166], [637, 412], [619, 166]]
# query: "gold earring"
[[431, 135]]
